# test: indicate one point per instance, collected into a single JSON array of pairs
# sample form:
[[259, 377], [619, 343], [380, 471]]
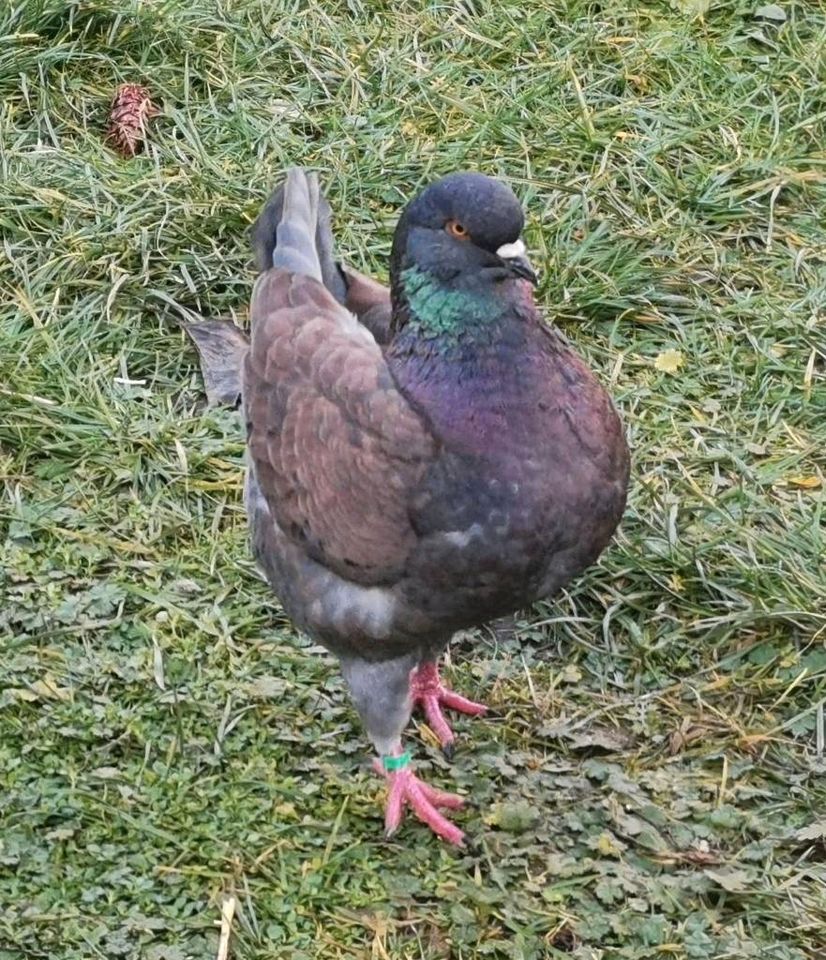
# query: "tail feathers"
[[295, 234], [293, 231], [326, 246], [263, 230]]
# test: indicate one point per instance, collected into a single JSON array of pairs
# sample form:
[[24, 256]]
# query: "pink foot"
[[427, 689], [404, 788]]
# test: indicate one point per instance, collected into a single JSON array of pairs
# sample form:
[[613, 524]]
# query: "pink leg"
[[404, 788], [427, 689]]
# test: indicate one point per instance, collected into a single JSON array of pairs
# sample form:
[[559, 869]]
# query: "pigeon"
[[420, 460]]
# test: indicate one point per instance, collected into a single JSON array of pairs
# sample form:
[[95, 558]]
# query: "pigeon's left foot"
[[404, 788], [427, 689]]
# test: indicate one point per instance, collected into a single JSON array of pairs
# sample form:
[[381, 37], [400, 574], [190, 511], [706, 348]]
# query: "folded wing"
[[336, 449]]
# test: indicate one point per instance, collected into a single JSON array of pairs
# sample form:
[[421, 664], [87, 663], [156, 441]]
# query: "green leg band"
[[396, 763]]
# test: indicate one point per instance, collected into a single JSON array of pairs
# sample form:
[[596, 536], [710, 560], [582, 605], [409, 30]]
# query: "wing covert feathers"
[[335, 446]]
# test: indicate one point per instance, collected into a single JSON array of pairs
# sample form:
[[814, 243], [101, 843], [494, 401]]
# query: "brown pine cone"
[[131, 108]]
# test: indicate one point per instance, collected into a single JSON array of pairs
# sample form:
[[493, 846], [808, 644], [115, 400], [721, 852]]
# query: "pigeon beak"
[[517, 262]]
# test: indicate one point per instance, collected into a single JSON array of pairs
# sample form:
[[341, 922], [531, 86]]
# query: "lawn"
[[651, 780]]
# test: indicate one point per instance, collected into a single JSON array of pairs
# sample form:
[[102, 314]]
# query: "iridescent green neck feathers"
[[437, 311]]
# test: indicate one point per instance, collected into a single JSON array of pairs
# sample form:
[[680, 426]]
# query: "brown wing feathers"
[[335, 447], [369, 301]]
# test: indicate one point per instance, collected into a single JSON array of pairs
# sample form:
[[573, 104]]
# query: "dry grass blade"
[[227, 914]]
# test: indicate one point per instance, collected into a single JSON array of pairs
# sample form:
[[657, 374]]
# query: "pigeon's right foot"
[[404, 788], [428, 691]]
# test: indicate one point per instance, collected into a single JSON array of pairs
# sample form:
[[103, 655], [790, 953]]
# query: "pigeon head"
[[463, 230]]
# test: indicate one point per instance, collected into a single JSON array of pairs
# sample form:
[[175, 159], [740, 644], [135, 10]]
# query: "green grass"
[[652, 784]]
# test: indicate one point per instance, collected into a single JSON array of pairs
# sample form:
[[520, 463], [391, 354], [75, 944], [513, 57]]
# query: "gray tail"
[[293, 231]]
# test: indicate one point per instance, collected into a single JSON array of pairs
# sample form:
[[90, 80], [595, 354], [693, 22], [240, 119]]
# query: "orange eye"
[[456, 229]]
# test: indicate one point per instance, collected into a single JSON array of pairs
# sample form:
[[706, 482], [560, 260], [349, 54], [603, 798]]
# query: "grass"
[[652, 784]]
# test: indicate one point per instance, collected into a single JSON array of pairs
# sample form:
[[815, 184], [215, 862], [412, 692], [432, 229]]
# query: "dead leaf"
[[512, 817], [730, 879], [59, 834], [268, 688], [692, 8], [570, 674], [596, 738], [815, 831], [48, 689], [435, 940], [676, 582], [105, 773], [157, 664], [771, 11], [669, 361], [609, 846], [686, 735], [285, 811], [805, 483], [564, 940]]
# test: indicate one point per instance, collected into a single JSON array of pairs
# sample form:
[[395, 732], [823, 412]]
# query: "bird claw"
[[427, 690], [406, 789]]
